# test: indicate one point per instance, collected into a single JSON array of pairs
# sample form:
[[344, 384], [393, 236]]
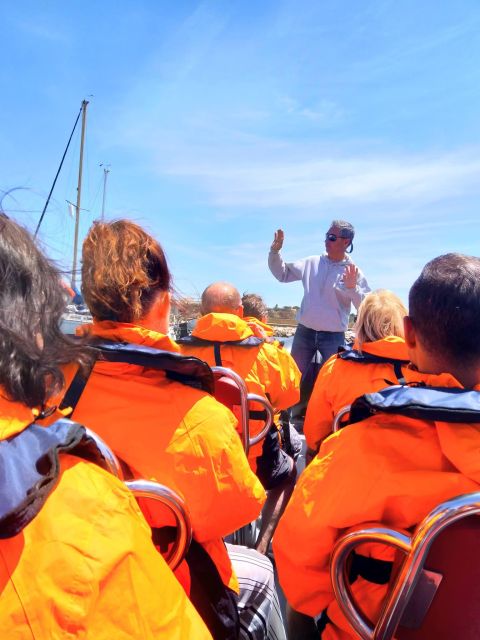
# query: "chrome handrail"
[[336, 421], [339, 572], [111, 460], [416, 548], [168, 497], [253, 397], [242, 387]]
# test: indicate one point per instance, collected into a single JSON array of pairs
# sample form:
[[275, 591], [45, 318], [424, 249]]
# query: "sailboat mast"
[[106, 171], [79, 193]]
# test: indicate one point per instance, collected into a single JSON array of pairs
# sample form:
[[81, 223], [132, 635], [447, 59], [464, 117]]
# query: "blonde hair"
[[380, 315]]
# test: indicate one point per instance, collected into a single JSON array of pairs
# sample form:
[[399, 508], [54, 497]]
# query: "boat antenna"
[[58, 173], [79, 193], [106, 171]]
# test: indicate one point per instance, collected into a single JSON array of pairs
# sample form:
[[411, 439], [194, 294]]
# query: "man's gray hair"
[[346, 229]]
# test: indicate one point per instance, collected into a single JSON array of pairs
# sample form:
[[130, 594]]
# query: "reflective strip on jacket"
[[177, 435], [85, 561], [268, 371], [339, 382], [388, 469]]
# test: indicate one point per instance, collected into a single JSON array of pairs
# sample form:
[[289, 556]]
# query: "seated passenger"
[[76, 553], [389, 468], [268, 371], [164, 429], [255, 314], [379, 336]]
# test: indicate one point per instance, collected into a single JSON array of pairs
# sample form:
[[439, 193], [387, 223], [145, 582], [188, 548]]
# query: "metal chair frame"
[[168, 497], [246, 535], [153, 490], [416, 549], [336, 426], [245, 399], [111, 461]]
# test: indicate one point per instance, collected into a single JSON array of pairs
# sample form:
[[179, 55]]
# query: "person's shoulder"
[[332, 365], [92, 481], [98, 495], [272, 353], [206, 409]]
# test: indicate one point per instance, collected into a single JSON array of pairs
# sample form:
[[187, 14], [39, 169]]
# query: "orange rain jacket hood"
[[85, 560], [267, 370], [339, 382], [389, 469], [174, 434], [262, 329]]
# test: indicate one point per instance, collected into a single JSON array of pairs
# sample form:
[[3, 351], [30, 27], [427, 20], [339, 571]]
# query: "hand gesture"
[[277, 243], [350, 276], [257, 331]]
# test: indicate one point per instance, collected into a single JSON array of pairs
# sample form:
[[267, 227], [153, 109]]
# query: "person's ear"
[[240, 311], [409, 330]]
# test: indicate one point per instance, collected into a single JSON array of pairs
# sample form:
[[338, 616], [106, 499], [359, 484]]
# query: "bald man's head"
[[221, 297]]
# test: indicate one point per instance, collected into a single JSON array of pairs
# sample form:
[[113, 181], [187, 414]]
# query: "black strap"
[[216, 352], [77, 386], [371, 569], [397, 367], [257, 415]]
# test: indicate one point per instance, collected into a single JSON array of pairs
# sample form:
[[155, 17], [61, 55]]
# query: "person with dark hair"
[[268, 371], [392, 467], [255, 310], [76, 553], [168, 428], [331, 284]]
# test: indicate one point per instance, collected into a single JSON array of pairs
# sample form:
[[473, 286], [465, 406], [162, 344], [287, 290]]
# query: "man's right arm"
[[285, 271]]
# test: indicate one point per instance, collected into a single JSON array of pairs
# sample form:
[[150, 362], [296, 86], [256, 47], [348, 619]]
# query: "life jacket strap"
[[30, 463], [186, 370], [444, 404]]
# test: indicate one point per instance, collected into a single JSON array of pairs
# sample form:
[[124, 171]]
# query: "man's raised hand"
[[350, 276], [278, 238]]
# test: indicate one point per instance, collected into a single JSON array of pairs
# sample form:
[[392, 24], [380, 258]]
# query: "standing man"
[[331, 283]]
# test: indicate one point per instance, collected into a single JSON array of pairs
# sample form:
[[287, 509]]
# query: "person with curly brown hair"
[[167, 429]]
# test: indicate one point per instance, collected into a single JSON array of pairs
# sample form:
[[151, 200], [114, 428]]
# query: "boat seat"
[[230, 389], [434, 588], [145, 491], [169, 509]]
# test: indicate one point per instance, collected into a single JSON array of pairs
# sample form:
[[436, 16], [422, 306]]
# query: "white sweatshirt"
[[326, 301]]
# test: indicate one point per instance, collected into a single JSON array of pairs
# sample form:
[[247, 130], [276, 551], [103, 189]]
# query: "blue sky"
[[223, 121]]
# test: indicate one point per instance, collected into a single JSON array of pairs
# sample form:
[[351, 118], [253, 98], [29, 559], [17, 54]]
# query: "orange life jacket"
[[76, 552], [391, 469]]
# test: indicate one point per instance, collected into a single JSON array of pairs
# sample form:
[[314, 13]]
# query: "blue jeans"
[[306, 343]]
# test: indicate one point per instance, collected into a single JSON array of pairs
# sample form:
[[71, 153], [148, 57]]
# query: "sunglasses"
[[332, 237]]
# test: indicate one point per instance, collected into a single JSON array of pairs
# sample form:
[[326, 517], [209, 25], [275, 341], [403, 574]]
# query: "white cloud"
[[266, 182]]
